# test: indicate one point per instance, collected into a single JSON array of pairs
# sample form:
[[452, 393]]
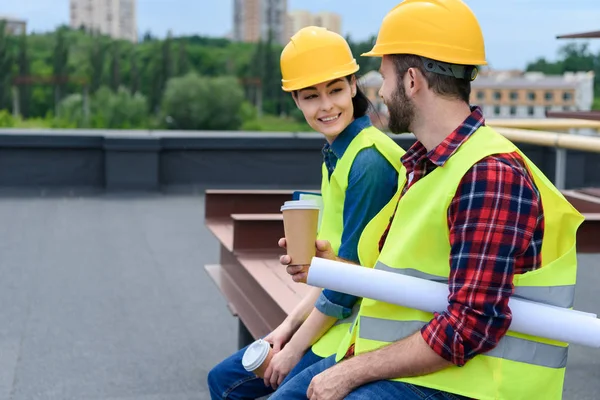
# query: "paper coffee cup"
[[300, 223], [257, 357]]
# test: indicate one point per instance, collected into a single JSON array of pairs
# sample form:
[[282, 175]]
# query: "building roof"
[[532, 80], [505, 80], [101, 305], [11, 18]]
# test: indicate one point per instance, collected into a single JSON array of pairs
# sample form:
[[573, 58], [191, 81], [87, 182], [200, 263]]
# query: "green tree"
[[366, 63], [198, 102], [60, 64], [115, 73], [134, 74], [5, 67], [183, 61], [161, 72], [24, 70], [6, 120], [96, 61], [71, 109]]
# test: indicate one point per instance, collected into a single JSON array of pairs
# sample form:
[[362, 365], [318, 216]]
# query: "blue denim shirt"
[[372, 182]]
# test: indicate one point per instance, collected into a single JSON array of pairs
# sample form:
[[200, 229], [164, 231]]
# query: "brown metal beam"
[[223, 203], [583, 35], [589, 115]]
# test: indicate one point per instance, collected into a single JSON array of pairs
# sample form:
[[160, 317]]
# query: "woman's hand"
[[280, 366], [299, 273], [280, 336]]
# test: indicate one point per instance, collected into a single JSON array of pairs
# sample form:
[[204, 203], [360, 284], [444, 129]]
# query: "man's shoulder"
[[507, 168]]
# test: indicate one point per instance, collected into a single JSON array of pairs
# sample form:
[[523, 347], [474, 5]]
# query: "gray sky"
[[516, 31]]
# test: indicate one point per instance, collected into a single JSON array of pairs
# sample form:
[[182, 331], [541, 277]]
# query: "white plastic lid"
[[255, 355], [300, 205]]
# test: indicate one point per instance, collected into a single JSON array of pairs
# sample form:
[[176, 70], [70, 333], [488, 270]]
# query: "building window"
[[531, 95], [496, 110], [549, 96], [530, 111], [567, 96], [514, 95], [513, 110], [480, 95], [497, 95]]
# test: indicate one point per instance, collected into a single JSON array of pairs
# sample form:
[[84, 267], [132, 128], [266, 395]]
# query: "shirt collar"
[[442, 152], [343, 140]]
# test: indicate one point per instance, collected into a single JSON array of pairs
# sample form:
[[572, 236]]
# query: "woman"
[[360, 176]]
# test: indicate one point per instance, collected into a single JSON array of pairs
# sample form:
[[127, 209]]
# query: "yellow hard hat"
[[442, 30], [315, 55]]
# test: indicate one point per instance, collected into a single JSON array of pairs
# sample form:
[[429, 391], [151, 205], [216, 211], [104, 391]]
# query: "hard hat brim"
[[304, 82], [371, 54]]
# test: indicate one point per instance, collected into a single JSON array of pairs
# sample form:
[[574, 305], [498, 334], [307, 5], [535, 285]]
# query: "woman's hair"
[[360, 101]]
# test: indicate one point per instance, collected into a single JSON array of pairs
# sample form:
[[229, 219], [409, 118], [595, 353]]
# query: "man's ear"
[[414, 81]]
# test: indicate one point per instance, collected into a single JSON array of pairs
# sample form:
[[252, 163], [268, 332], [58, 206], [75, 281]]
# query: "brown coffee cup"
[[300, 223], [257, 357]]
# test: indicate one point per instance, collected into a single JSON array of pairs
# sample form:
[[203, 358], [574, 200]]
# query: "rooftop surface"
[[106, 297]]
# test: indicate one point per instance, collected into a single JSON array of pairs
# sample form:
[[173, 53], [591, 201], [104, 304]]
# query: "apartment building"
[[514, 94], [370, 83], [115, 18], [254, 19], [517, 94], [14, 26], [299, 19]]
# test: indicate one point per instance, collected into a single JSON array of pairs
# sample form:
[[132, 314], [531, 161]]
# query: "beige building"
[[370, 84], [14, 26], [253, 19], [517, 94], [514, 94], [299, 19], [329, 20], [115, 18]]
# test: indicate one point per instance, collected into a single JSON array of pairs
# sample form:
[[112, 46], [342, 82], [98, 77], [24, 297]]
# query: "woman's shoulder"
[[370, 161]]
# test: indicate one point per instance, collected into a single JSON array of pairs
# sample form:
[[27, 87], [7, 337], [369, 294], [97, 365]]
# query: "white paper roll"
[[527, 317]]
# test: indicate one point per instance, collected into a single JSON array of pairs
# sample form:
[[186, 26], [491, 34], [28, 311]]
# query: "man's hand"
[[299, 273], [280, 366], [332, 384], [280, 336]]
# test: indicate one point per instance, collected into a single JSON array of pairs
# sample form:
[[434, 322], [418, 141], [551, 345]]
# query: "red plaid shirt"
[[496, 227]]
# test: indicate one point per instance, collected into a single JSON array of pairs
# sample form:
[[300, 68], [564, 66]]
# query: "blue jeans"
[[230, 381], [382, 390]]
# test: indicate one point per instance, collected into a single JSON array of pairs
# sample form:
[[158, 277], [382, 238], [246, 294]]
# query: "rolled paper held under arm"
[[528, 317]]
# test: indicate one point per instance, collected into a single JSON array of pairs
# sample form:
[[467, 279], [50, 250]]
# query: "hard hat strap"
[[467, 72]]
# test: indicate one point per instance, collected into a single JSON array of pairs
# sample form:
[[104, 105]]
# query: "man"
[[474, 213]]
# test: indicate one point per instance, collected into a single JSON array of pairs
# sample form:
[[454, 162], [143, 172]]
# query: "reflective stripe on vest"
[[560, 296], [508, 348]]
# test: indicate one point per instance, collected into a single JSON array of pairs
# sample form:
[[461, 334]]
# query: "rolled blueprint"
[[528, 317]]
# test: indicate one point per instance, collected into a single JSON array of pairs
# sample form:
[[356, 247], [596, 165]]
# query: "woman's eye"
[[310, 96]]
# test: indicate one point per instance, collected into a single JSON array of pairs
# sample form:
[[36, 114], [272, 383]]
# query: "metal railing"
[[561, 142]]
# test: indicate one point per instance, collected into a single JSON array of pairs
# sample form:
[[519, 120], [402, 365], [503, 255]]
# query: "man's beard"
[[401, 110]]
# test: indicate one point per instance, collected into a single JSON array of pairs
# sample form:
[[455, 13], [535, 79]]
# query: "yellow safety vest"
[[418, 244], [333, 191]]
